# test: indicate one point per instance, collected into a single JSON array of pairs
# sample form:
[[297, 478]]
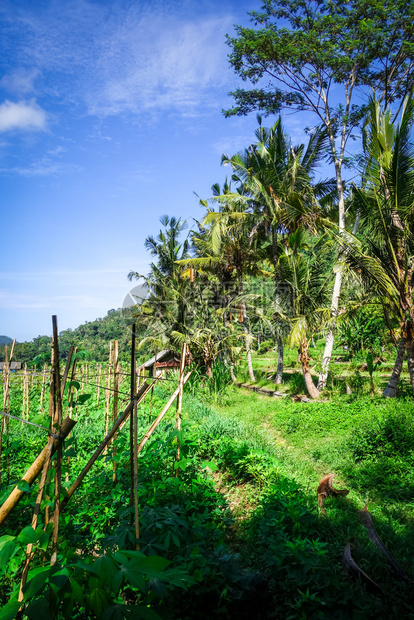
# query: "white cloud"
[[40, 168], [128, 57], [22, 115], [20, 81], [148, 66]]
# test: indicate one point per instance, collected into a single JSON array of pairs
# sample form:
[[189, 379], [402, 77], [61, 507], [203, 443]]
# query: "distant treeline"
[[93, 337]]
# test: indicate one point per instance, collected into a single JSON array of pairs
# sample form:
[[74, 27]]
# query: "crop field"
[[233, 528]]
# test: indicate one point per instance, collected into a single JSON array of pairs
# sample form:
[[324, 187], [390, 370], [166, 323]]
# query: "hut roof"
[[166, 355]]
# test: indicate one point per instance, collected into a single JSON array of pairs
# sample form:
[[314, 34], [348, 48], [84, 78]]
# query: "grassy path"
[[368, 444]]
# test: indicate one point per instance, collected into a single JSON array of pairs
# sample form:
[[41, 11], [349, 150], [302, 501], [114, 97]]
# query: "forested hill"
[[94, 337], [5, 340]]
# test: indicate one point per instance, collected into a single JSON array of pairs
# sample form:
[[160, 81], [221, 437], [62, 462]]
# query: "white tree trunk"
[[327, 354], [248, 350], [391, 389], [279, 372]]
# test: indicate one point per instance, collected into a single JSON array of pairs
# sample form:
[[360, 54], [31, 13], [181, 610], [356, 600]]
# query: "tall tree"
[[280, 191], [166, 305], [317, 54], [384, 258], [228, 252], [305, 272]]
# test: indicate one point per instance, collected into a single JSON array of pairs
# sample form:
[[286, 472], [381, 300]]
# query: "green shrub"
[[390, 435], [266, 346]]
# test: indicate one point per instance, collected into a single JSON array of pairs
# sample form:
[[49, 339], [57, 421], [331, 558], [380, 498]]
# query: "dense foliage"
[[237, 533]]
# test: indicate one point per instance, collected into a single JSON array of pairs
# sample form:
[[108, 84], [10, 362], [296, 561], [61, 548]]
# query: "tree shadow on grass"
[[300, 554]]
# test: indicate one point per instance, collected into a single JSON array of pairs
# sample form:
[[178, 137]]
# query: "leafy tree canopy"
[[308, 48]]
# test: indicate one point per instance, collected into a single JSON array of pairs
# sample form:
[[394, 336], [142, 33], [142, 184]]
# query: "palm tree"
[[305, 272], [281, 193], [228, 253], [165, 308], [385, 259]]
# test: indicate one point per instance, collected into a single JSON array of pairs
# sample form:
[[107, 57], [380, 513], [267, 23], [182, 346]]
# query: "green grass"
[[367, 443], [242, 519]]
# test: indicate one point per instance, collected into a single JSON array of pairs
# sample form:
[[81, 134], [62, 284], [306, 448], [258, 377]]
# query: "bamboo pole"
[[134, 439], [118, 425], [43, 388], [57, 420], [66, 371], [34, 470], [115, 363], [25, 394], [180, 398], [6, 407], [70, 401], [160, 416], [131, 423], [36, 512], [52, 393], [108, 385], [152, 391], [99, 384], [72, 378], [3, 421]]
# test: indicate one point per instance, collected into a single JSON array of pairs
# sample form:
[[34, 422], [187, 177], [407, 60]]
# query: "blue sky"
[[110, 116]]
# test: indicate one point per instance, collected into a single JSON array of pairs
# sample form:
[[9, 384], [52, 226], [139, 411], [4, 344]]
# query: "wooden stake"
[[131, 424], [108, 393], [52, 407], [115, 401], [57, 420], [43, 388], [70, 402], [134, 439], [66, 371], [118, 424], [25, 394], [99, 384], [36, 512], [6, 407], [152, 391], [160, 416], [180, 397]]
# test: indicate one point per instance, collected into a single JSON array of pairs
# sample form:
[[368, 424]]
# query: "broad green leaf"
[[97, 601], [106, 569], [76, 591], [9, 611], [29, 535], [35, 585], [176, 577], [60, 579], [86, 567], [134, 577], [24, 486], [5, 539], [139, 612], [82, 398], [6, 552], [118, 612], [69, 452], [37, 609]]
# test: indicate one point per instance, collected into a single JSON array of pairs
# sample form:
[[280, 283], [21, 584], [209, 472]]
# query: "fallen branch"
[[325, 489], [352, 569], [366, 520]]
